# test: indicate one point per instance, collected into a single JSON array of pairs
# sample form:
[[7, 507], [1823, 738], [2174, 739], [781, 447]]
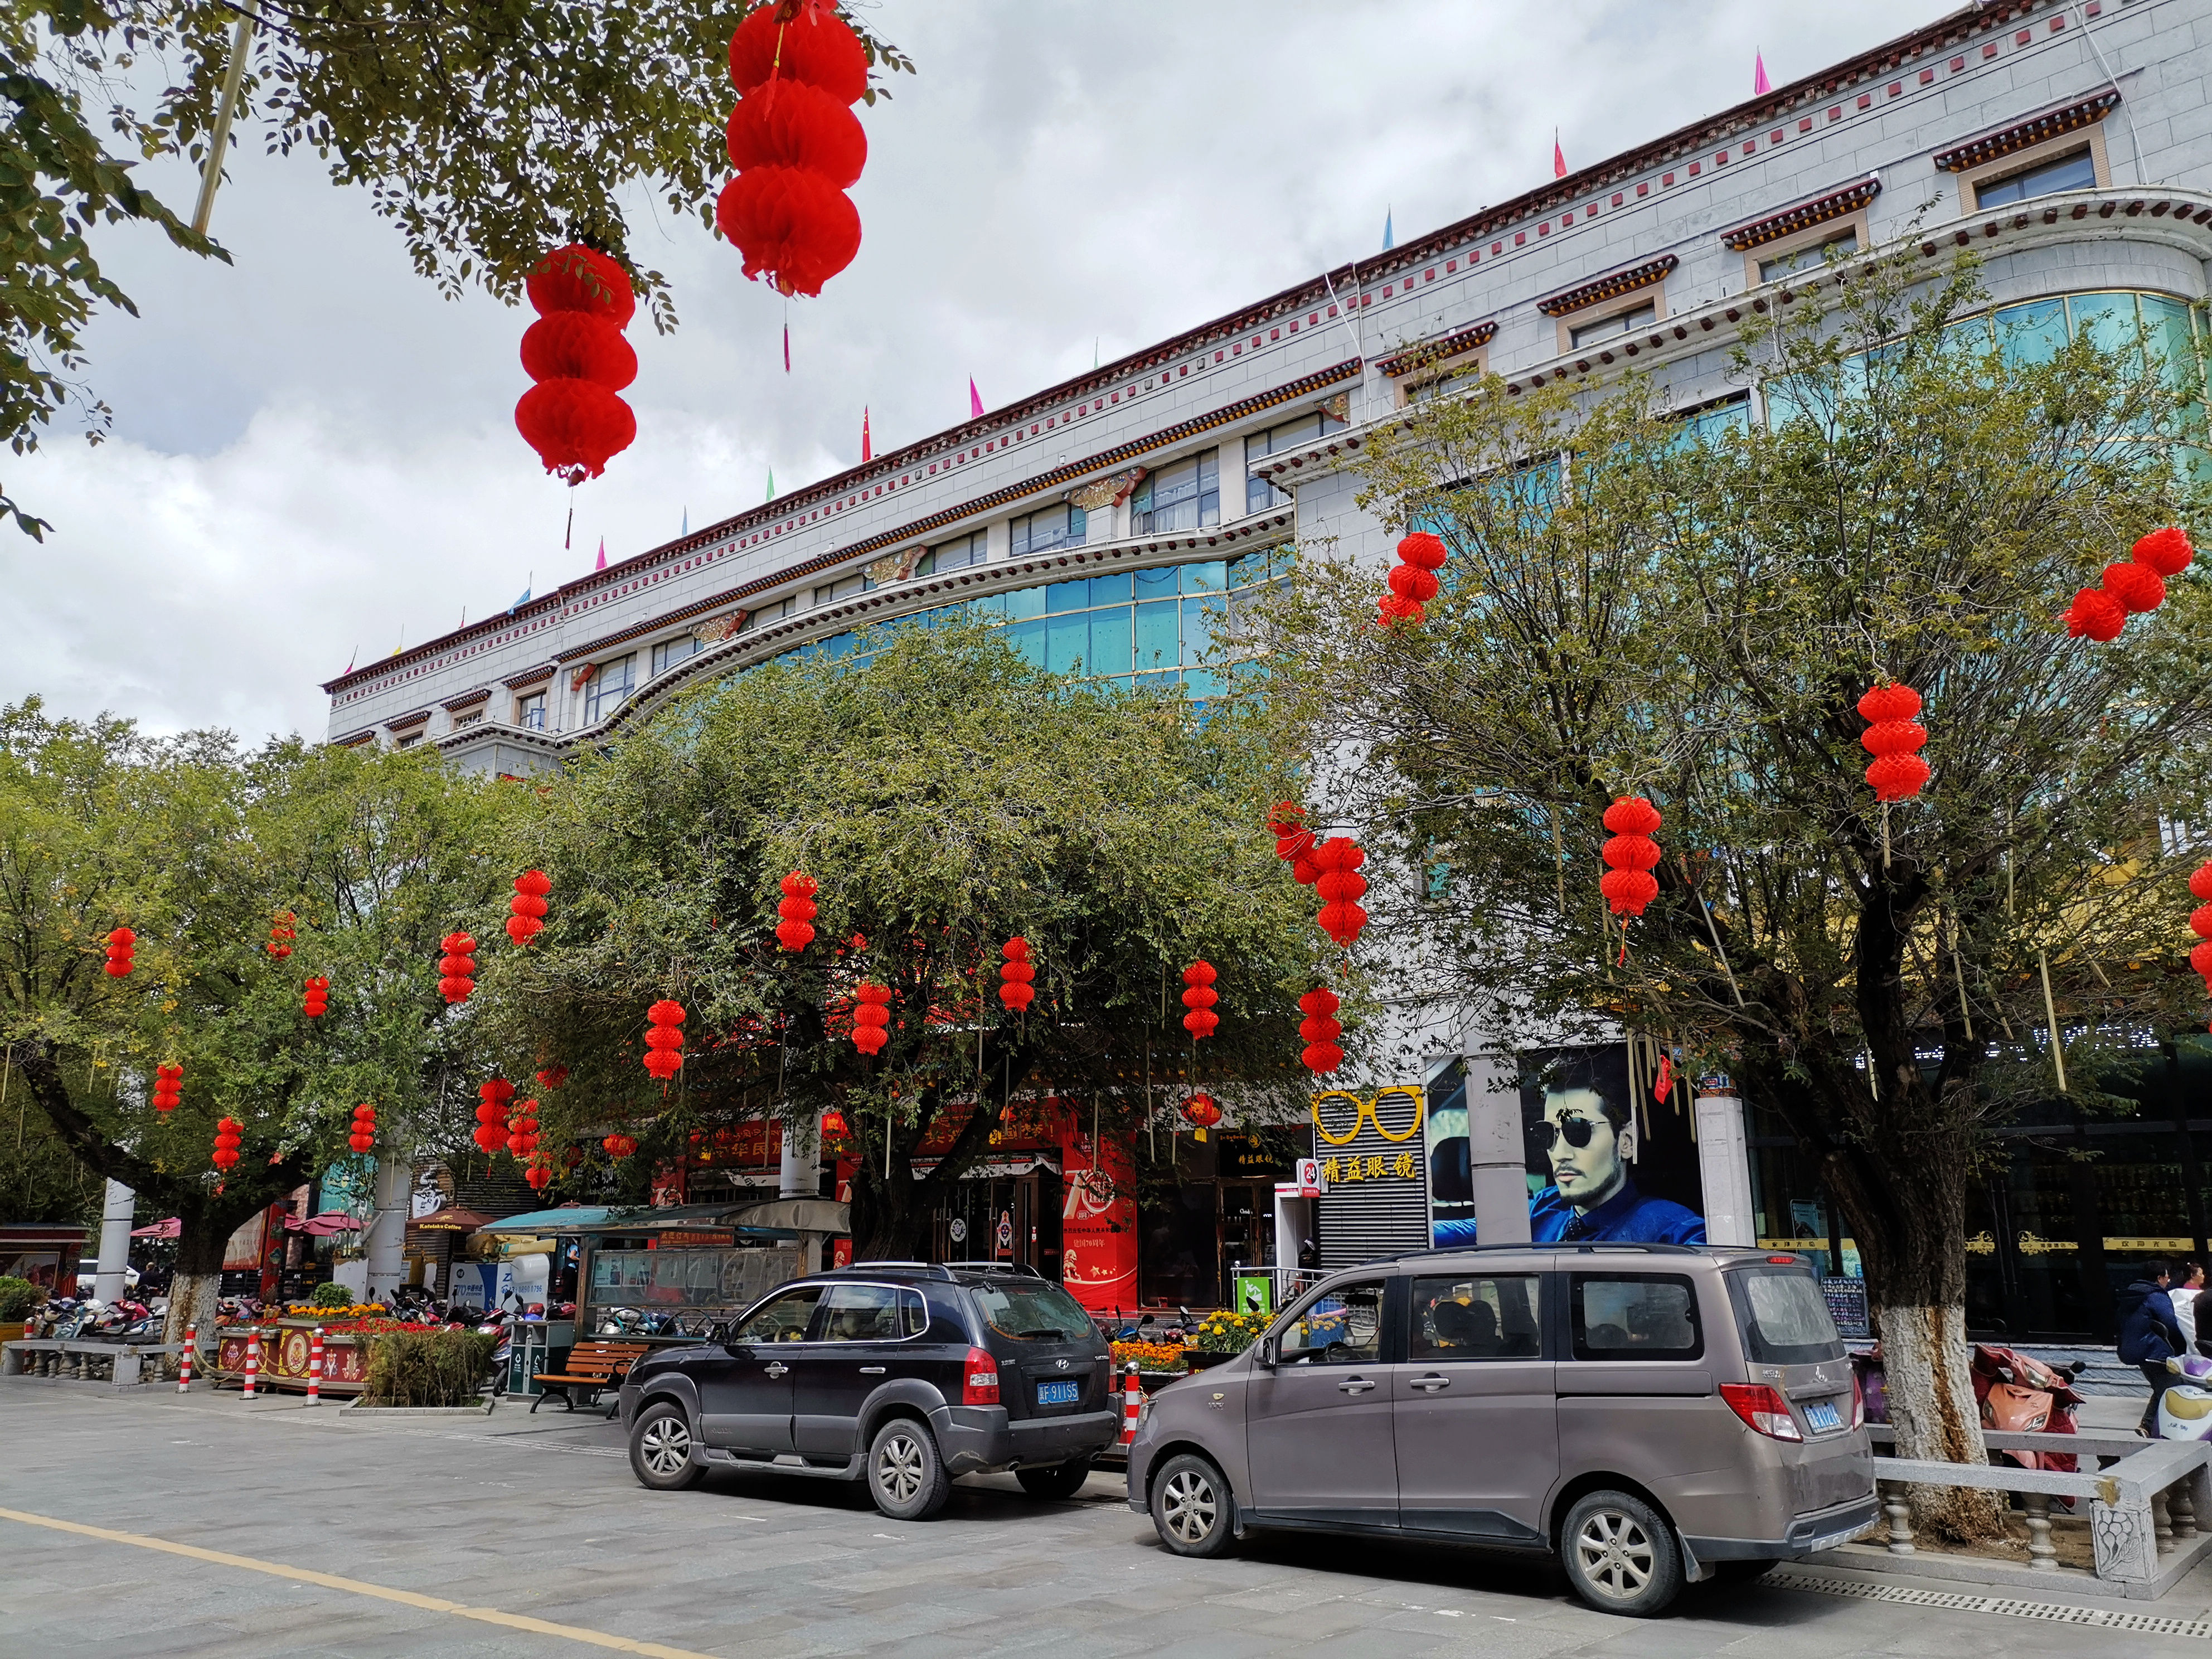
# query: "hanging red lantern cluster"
[[2135, 585], [456, 967], [121, 944], [317, 998], [1199, 996], [522, 1129], [552, 1077], [1414, 581], [527, 908], [363, 1135], [1339, 885], [797, 147], [1294, 842], [168, 1087], [492, 1096], [1628, 883], [576, 352], [833, 1125], [796, 930], [229, 1136], [2200, 923], [1321, 1028], [1200, 1110], [539, 1172], [871, 1016], [1016, 975], [619, 1146], [664, 1043], [1893, 737], [281, 935]]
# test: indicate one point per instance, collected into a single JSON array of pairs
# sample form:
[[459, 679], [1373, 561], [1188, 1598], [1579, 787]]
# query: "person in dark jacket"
[[2149, 1334]]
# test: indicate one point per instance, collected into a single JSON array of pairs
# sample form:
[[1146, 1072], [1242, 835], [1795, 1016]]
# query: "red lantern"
[[522, 1129], [168, 1087], [492, 1096], [2166, 552], [363, 1135], [1201, 1110], [796, 144], [619, 1146], [1338, 881], [1016, 976], [578, 359], [2136, 586], [229, 1137], [1293, 841], [316, 998], [527, 907], [1321, 1029], [2097, 615], [871, 1016], [1413, 580], [664, 1043], [796, 930], [121, 944], [833, 1125], [456, 967], [1892, 738], [281, 935], [2200, 922], [540, 1172], [2133, 585], [1628, 883], [1199, 996], [552, 1077]]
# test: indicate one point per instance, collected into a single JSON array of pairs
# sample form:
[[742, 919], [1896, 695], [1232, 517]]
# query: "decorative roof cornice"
[[1608, 288], [355, 739], [1422, 353], [1801, 215], [468, 699], [2034, 129], [401, 722], [530, 676]]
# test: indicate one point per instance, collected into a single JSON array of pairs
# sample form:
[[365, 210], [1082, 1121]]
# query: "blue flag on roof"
[[1390, 235]]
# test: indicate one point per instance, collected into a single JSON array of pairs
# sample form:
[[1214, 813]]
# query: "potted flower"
[[1224, 1335], [17, 1298]]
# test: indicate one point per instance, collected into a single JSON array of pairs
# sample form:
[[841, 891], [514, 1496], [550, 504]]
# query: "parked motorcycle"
[[2185, 1410], [2020, 1395]]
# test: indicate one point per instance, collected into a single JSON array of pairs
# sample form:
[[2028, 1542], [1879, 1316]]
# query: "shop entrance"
[[1010, 1219]]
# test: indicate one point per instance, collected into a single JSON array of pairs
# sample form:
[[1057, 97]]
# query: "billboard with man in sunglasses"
[[1592, 1173]]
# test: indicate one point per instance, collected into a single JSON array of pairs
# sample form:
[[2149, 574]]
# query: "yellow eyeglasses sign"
[[1397, 1112]]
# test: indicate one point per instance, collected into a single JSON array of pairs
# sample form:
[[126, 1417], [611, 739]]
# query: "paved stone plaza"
[[274, 1529]]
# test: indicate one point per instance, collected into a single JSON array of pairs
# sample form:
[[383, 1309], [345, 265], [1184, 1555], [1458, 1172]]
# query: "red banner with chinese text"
[[1098, 1219]]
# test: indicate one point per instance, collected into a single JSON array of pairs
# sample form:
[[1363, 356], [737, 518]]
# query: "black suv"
[[905, 1374]]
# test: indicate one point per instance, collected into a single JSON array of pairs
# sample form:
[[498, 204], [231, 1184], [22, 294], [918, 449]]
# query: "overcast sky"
[[315, 456]]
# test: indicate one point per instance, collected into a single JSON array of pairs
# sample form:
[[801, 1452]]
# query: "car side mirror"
[[1265, 1353]]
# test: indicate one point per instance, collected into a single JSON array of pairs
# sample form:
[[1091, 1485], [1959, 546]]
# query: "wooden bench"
[[592, 1367]]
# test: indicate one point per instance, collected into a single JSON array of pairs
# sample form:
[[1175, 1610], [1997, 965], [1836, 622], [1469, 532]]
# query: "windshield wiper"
[[1048, 1334]]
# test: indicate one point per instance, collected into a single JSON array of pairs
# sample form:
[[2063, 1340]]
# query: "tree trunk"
[[1927, 1373], [198, 1286]]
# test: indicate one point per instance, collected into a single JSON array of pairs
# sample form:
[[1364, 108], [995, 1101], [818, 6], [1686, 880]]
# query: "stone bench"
[[24, 1357]]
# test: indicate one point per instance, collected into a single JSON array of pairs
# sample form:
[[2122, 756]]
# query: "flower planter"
[[285, 1352]]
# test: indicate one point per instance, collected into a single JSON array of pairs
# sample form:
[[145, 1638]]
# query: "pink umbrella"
[[172, 1228], [322, 1226]]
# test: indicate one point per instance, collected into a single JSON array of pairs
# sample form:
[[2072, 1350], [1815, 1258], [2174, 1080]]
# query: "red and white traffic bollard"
[[184, 1364], [315, 1367], [253, 1359], [1131, 1401]]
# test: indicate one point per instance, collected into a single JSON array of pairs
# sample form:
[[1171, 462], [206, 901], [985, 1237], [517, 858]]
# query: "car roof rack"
[[936, 1267], [1577, 1246], [995, 1267]]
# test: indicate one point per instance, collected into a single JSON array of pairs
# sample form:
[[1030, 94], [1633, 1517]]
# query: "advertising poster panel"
[[1098, 1219], [1607, 1160]]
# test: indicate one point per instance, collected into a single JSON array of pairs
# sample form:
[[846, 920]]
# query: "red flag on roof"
[[867, 446]]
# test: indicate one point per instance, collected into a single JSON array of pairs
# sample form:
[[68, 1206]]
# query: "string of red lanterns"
[[1199, 996], [1628, 883], [539, 1172], [522, 1129], [552, 1077], [576, 354], [1321, 1028], [796, 144], [619, 1146], [526, 909], [664, 1043], [1339, 885], [2200, 923], [456, 967], [229, 1136], [795, 932], [871, 1016], [168, 1087], [1893, 737], [121, 944], [2135, 585], [1016, 975], [492, 1096], [363, 1135], [315, 997], [281, 935], [1414, 581]]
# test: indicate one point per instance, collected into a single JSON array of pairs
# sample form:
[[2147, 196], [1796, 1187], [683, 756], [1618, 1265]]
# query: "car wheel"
[[1191, 1507], [1054, 1479], [1620, 1555], [660, 1448], [906, 1477]]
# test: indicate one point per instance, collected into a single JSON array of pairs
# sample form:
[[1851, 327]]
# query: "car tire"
[[905, 1476], [1620, 1555], [661, 1446], [1192, 1509], [1055, 1480]]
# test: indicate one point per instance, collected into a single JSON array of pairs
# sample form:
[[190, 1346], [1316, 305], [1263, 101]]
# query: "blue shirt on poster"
[[1628, 1218]]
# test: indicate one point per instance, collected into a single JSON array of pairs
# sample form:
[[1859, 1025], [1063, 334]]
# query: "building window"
[[1260, 494], [604, 691], [470, 718], [1804, 257], [669, 653], [530, 711], [2075, 171], [1184, 497], [842, 588], [1055, 526], [409, 740], [1621, 322], [956, 555]]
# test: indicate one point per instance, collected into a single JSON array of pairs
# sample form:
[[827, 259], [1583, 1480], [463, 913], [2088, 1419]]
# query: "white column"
[[795, 1175], [1496, 1151], [1724, 1164], [115, 1242], [387, 1229]]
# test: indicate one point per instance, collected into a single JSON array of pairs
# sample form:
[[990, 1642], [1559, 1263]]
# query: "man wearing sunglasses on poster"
[[1589, 1139]]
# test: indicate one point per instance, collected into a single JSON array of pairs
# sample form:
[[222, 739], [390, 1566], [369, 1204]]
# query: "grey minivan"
[[1651, 1414]]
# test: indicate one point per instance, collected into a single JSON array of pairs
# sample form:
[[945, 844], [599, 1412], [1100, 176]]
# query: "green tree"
[[947, 798], [197, 847], [486, 133], [1691, 610]]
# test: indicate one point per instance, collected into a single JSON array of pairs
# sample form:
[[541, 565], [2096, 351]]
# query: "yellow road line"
[[596, 1638]]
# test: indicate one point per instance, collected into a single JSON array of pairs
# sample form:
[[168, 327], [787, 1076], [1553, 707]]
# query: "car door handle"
[[1358, 1385], [871, 1370], [1430, 1384], [777, 1368]]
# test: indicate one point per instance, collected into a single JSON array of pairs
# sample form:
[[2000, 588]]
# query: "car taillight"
[[1858, 1403], [979, 1379], [1762, 1408]]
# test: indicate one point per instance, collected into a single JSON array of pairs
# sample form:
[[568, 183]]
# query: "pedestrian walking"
[[2183, 1298], [2149, 1334]]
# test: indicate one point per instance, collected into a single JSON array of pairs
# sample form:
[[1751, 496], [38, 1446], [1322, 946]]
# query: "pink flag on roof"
[[602, 564], [1559, 156], [974, 399], [1760, 86]]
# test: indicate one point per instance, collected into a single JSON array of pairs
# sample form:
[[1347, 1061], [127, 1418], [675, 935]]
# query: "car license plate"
[[1822, 1417], [1059, 1393]]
